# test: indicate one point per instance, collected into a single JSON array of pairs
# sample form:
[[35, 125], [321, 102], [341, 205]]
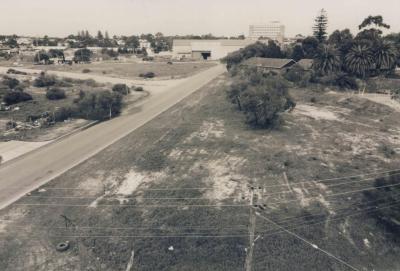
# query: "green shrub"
[[86, 70], [55, 94], [139, 89], [15, 96], [121, 88]]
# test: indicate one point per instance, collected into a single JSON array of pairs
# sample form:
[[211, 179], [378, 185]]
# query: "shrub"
[[139, 89], [295, 74], [86, 70], [11, 83], [55, 94], [12, 71], [63, 113], [345, 81], [121, 88], [262, 98], [14, 97], [99, 105], [147, 75], [44, 80]]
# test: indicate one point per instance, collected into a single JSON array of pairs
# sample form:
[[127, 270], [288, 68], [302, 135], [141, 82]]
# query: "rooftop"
[[274, 63]]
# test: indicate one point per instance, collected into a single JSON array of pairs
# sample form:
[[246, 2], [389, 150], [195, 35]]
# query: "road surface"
[[34, 169]]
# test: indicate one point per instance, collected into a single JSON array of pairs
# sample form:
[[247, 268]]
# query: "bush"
[[262, 99], [86, 70], [63, 113], [11, 83], [55, 94], [147, 75], [295, 74], [340, 80], [139, 89], [99, 105], [12, 71], [345, 81], [121, 88], [44, 80], [14, 97]]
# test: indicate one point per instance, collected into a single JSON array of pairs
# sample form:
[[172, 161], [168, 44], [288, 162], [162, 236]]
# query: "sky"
[[59, 18]]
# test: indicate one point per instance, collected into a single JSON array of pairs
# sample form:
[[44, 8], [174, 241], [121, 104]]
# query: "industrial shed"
[[207, 49]]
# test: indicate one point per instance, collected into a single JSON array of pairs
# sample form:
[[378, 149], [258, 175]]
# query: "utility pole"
[[252, 228]]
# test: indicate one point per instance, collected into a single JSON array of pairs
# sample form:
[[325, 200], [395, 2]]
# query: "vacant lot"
[[40, 107], [174, 195], [132, 69]]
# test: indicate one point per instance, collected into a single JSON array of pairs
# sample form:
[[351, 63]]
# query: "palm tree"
[[327, 60], [359, 60], [385, 56]]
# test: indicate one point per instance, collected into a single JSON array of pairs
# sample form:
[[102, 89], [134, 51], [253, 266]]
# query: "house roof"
[[306, 63], [273, 63]]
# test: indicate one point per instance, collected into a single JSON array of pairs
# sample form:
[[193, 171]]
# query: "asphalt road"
[[36, 168]]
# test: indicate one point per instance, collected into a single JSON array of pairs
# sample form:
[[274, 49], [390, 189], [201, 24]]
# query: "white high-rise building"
[[273, 30]]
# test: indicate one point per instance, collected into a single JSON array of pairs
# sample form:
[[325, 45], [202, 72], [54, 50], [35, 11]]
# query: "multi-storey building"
[[273, 30]]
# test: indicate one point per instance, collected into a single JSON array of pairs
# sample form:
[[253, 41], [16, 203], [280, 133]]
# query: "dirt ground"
[[131, 69], [175, 194]]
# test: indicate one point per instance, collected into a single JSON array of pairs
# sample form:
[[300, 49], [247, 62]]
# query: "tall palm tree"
[[359, 60], [327, 60], [385, 56]]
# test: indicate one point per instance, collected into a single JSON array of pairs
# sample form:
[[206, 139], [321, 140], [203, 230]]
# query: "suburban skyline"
[[129, 17]]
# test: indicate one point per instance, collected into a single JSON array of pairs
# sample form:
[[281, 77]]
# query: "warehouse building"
[[207, 49]]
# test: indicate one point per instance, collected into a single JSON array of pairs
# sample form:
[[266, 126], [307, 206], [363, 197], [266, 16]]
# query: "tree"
[[273, 50], [359, 61], [327, 60], [342, 39], [99, 106], [99, 35], [132, 42], [264, 103], [310, 47], [320, 26], [41, 56], [377, 21], [57, 53], [83, 55], [385, 56], [297, 53]]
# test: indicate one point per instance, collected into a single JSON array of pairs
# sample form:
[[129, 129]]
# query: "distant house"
[[306, 64], [269, 64]]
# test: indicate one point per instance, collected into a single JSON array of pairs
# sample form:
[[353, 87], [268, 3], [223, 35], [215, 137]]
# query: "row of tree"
[[367, 54]]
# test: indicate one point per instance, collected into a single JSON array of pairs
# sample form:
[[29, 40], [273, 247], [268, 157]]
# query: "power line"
[[133, 205], [197, 205], [265, 233], [340, 194], [207, 187], [216, 236], [308, 242]]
